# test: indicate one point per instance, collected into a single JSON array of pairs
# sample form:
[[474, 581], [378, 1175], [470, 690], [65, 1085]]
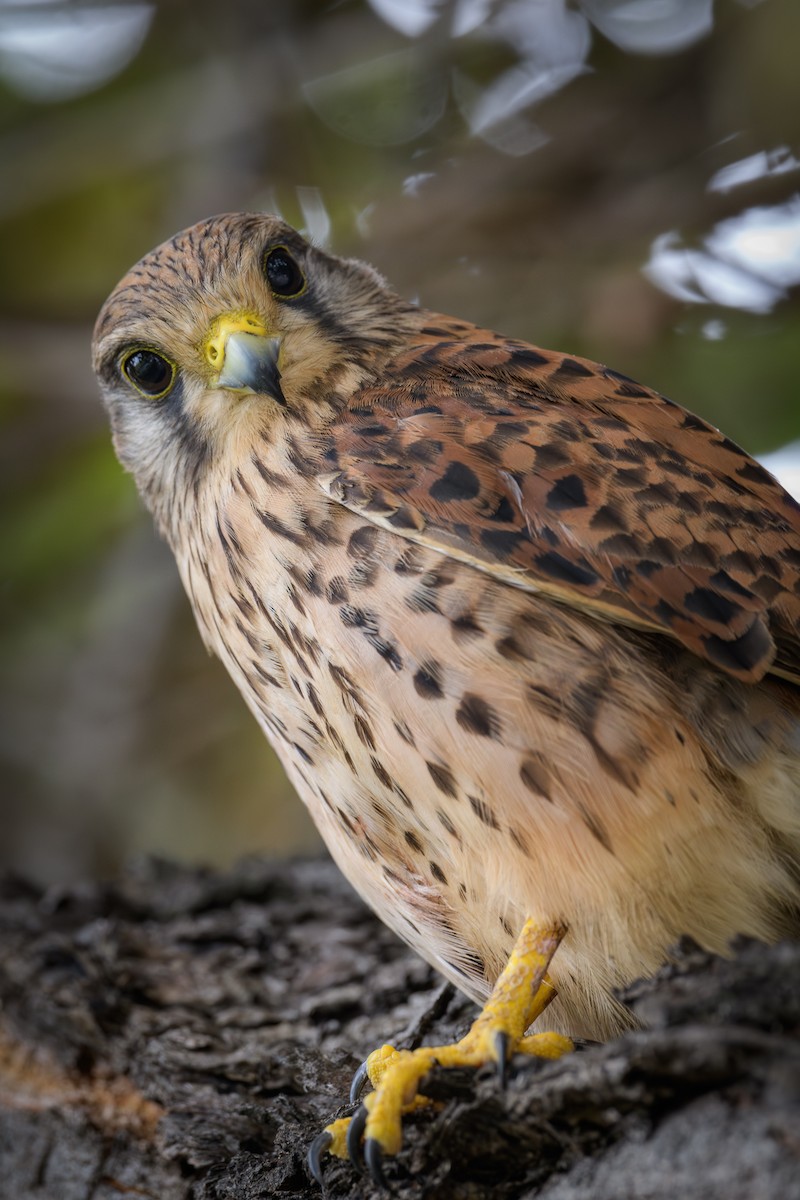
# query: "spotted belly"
[[474, 755]]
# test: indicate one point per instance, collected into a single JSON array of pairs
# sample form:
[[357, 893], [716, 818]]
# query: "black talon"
[[373, 1156], [360, 1080], [501, 1044], [315, 1152], [355, 1131]]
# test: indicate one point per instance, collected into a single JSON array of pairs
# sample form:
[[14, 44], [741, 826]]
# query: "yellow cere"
[[222, 328]]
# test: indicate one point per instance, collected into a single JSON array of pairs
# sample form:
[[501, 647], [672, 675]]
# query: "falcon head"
[[230, 330]]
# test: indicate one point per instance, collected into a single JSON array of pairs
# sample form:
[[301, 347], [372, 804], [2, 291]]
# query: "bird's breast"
[[472, 754]]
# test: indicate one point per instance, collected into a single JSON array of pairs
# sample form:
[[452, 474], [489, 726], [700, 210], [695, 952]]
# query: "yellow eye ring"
[[150, 372], [282, 273]]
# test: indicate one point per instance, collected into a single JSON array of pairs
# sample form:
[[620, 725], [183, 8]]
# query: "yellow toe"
[[396, 1095], [378, 1061], [545, 1045], [521, 993], [338, 1131]]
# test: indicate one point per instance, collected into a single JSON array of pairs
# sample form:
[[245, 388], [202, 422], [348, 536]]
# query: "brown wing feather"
[[563, 476]]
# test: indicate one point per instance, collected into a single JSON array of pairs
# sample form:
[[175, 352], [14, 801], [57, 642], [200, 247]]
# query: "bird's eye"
[[149, 372], [282, 272]]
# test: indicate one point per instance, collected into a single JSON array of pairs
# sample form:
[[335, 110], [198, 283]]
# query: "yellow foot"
[[520, 995]]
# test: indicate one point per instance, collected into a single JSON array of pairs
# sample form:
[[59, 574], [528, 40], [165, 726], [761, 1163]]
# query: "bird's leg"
[[520, 995]]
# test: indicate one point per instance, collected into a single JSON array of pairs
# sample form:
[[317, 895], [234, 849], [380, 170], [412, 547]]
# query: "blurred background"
[[615, 178]]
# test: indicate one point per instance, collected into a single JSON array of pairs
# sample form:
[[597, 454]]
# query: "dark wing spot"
[[412, 840], [646, 567], [723, 580], [609, 519], [404, 518], [746, 653], [565, 571], [504, 511], [459, 482], [633, 391], [551, 455], [501, 542], [425, 450], [373, 430], [569, 366], [656, 495], [630, 477], [567, 493], [711, 606], [690, 421], [690, 502], [620, 545], [526, 358]]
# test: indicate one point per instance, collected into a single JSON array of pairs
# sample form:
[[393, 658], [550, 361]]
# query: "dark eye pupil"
[[284, 276], [149, 371]]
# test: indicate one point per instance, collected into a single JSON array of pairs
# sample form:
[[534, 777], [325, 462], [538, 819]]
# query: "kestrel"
[[524, 633]]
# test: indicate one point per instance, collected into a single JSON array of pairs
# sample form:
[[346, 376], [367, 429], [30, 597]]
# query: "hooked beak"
[[245, 356]]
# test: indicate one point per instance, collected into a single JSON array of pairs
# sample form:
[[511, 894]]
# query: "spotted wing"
[[561, 476]]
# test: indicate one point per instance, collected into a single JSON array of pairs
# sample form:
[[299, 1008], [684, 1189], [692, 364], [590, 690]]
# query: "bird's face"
[[226, 332]]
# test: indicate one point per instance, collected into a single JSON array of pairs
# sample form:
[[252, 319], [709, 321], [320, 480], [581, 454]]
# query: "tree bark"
[[185, 1034]]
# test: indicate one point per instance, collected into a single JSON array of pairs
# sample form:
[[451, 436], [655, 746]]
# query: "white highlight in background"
[[53, 53]]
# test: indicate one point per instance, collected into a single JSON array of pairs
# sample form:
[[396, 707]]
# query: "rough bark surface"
[[185, 1034]]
